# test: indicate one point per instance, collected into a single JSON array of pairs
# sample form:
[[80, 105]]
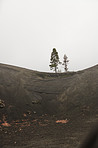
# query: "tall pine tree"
[[54, 60]]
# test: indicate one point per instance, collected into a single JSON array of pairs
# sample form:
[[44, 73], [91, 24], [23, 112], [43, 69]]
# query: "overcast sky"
[[30, 29]]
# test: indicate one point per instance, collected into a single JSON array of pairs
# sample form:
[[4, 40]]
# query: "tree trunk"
[[55, 69]]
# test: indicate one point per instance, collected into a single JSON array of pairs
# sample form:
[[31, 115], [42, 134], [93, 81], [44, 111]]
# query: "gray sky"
[[30, 29]]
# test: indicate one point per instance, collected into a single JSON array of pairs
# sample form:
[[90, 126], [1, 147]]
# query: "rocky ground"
[[45, 132]]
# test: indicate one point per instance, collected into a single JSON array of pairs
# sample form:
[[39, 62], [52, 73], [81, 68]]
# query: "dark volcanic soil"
[[45, 132], [46, 110]]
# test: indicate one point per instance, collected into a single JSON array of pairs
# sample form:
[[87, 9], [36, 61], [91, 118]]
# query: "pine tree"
[[65, 62], [54, 60]]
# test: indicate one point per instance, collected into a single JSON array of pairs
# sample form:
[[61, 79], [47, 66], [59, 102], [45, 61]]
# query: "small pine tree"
[[65, 62], [54, 60]]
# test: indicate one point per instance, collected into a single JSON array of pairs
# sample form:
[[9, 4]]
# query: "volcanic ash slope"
[[31, 93]]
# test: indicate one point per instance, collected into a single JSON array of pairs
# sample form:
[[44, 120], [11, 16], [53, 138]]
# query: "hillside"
[[28, 94]]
